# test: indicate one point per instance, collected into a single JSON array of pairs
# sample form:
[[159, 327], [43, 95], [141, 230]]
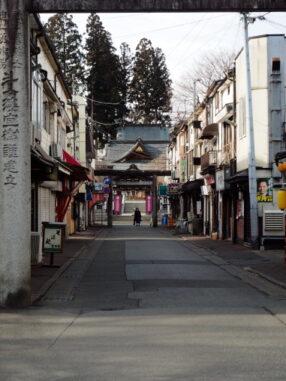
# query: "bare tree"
[[208, 68]]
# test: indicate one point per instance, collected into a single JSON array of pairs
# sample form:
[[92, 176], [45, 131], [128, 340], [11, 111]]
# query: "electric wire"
[[165, 28]]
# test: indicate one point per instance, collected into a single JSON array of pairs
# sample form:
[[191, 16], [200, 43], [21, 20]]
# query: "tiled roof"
[[146, 133]]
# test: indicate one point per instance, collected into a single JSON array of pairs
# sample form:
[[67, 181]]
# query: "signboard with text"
[[174, 189], [53, 237]]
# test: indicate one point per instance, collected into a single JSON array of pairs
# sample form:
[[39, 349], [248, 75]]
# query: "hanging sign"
[[98, 188], [174, 189], [106, 180], [88, 196]]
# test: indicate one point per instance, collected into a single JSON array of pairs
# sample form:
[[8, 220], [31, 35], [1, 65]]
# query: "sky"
[[183, 37]]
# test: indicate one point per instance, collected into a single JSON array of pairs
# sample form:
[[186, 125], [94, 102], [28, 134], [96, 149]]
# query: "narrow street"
[[142, 304]]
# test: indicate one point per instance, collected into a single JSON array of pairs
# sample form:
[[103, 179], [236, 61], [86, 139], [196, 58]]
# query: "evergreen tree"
[[102, 79], [150, 88], [125, 71], [67, 42], [162, 87]]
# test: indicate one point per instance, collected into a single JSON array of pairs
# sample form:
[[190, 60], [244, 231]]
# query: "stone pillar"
[[15, 167], [155, 203]]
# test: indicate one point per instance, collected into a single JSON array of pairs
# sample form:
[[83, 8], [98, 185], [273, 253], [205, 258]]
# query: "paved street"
[[139, 303]]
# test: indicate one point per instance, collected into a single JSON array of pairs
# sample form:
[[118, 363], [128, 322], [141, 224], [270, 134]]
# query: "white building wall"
[[262, 51]]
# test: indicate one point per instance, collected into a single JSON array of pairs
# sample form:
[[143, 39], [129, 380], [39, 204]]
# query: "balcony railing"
[[209, 159]]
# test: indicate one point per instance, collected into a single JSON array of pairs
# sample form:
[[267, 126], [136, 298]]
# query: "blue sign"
[[88, 196], [98, 187], [106, 180]]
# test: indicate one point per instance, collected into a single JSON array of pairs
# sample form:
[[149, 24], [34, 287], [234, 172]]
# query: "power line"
[[275, 23], [104, 103], [167, 27]]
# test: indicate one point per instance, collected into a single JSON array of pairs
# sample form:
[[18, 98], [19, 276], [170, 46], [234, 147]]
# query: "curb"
[[246, 269], [49, 283], [267, 277]]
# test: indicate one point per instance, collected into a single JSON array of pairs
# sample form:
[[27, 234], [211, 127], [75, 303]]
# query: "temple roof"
[[137, 152]]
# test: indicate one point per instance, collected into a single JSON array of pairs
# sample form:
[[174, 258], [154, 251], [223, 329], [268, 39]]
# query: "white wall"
[[259, 75], [262, 51]]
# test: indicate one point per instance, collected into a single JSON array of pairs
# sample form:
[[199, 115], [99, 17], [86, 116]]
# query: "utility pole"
[[250, 134]]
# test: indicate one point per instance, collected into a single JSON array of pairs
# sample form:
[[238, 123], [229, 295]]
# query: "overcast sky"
[[183, 37]]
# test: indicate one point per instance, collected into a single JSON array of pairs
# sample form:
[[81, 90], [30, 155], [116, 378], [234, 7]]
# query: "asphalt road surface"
[[142, 304]]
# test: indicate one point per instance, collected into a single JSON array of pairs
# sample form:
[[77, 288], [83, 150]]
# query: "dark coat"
[[137, 216]]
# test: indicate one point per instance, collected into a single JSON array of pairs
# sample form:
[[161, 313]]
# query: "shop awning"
[[40, 154], [97, 198], [210, 131], [190, 186], [67, 158], [241, 177], [79, 173]]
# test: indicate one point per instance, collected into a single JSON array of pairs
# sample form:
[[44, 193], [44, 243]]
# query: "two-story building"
[[55, 121], [267, 63]]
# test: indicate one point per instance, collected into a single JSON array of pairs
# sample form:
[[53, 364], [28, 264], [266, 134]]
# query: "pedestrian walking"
[[137, 217]]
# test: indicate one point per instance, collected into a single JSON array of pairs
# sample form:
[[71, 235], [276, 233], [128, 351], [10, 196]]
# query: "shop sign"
[[163, 190], [264, 190], [88, 196], [106, 180], [98, 187], [184, 161], [209, 180], [205, 190], [53, 237], [174, 189]]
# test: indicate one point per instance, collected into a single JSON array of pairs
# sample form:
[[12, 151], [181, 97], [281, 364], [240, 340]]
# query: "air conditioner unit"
[[56, 151], [35, 248], [273, 223]]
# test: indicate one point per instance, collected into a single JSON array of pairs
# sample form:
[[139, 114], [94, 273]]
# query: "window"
[[46, 116], [36, 100], [276, 65], [227, 134]]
